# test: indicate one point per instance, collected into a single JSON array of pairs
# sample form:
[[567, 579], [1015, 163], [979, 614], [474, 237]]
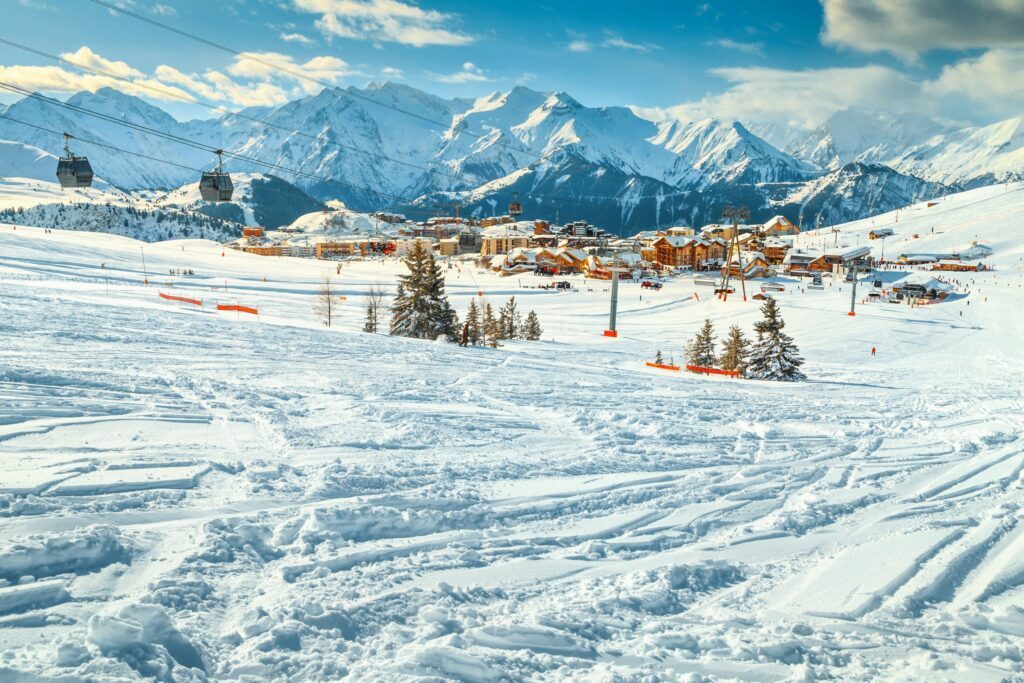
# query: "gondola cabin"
[[73, 172], [216, 187], [515, 207]]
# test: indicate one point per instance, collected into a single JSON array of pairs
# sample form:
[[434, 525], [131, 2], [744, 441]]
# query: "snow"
[[186, 496]]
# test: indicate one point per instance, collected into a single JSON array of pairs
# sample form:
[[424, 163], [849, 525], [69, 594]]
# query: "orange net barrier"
[[662, 366], [238, 307], [713, 371], [182, 299]]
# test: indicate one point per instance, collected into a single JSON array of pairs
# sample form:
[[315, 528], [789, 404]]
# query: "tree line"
[[772, 356], [420, 309]]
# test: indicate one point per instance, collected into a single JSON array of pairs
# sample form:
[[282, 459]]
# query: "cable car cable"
[[215, 107], [250, 56]]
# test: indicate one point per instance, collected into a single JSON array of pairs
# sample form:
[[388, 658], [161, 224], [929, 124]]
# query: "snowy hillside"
[[45, 204], [339, 223], [189, 494], [259, 199]]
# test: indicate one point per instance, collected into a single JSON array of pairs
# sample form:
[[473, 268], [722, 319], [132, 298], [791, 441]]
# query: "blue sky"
[[792, 61]]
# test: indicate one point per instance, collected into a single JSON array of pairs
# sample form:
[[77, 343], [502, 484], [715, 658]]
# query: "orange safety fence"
[[182, 299], [713, 371], [238, 307], [663, 366]]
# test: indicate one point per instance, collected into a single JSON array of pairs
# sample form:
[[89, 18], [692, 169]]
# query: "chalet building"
[[775, 249], [681, 231], [697, 253], [779, 225], [754, 265], [798, 261]]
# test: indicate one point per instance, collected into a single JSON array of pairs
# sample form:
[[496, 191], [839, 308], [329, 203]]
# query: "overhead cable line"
[[294, 73], [194, 144], [184, 97]]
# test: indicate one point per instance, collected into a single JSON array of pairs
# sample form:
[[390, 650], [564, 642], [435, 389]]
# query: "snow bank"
[[75, 552]]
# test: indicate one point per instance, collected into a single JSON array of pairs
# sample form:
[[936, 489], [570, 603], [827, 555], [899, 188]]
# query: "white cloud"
[[267, 66], [393, 73], [255, 84], [909, 27], [257, 95], [470, 73], [86, 57], [618, 41], [756, 49], [580, 46], [384, 20], [296, 38], [993, 81], [164, 10], [801, 98]]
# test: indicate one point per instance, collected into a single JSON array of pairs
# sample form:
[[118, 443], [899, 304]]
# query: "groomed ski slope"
[[190, 495]]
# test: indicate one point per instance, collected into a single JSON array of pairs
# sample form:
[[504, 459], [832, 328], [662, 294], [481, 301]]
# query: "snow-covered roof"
[[521, 229], [777, 242], [847, 253], [803, 255], [924, 279]]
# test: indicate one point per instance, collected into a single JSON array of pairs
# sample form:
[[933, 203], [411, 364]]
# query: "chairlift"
[[515, 207], [73, 172], [216, 185]]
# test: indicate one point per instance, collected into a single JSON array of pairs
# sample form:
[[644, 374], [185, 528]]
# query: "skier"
[[873, 350], [465, 335]]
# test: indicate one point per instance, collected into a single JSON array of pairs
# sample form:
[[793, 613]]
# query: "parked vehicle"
[[772, 287], [704, 280]]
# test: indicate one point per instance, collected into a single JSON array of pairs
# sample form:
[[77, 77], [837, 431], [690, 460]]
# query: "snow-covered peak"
[[990, 153]]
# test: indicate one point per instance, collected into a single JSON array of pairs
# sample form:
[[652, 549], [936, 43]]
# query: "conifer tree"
[[735, 351], [401, 312], [658, 359], [491, 328], [532, 330], [509, 320], [421, 306], [476, 332], [701, 349], [774, 355]]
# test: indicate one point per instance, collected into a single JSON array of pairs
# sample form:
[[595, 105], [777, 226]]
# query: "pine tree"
[[401, 313], [509, 320], [476, 333], [774, 355], [491, 328], [735, 351], [701, 349], [421, 307], [532, 329], [658, 359]]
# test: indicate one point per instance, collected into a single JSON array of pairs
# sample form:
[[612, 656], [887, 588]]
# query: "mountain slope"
[[259, 199], [971, 156]]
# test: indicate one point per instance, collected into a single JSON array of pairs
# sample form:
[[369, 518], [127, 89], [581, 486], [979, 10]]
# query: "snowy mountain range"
[[390, 146]]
